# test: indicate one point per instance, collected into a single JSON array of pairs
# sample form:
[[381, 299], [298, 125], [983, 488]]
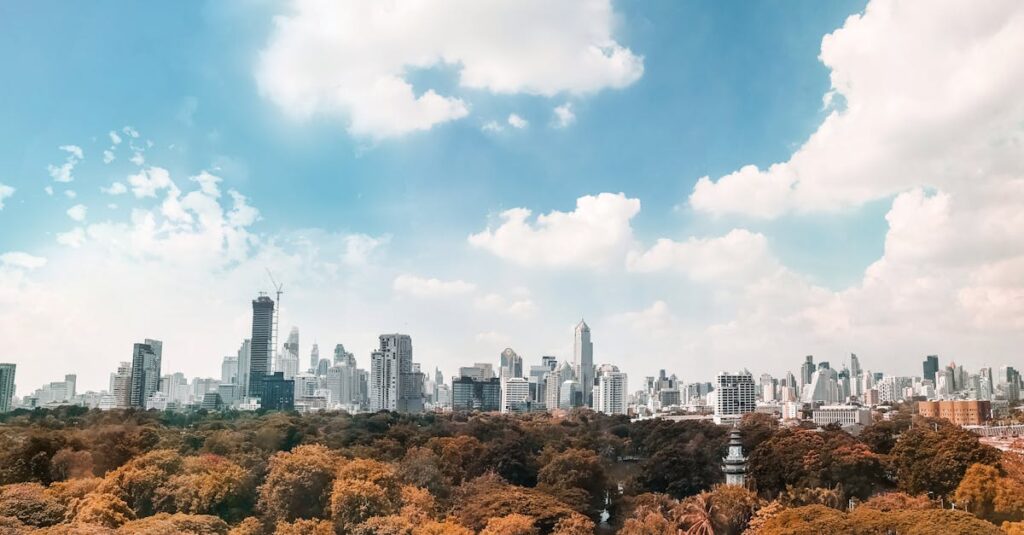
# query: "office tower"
[[824, 387], [244, 351], [930, 367], [145, 374], [610, 391], [6, 386], [583, 361], [569, 394], [343, 357], [72, 381], [322, 367], [171, 386], [291, 346], [229, 370], [806, 371], [767, 388], [511, 364], [735, 396], [314, 357], [259, 352], [278, 393], [394, 384], [824, 365], [843, 382], [340, 382], [120, 385], [855, 376], [515, 394], [469, 394], [552, 384]]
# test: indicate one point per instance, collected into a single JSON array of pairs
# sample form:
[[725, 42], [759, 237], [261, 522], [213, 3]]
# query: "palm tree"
[[697, 514]]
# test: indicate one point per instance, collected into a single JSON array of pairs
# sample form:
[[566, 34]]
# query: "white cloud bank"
[[596, 234], [351, 59], [5, 193]]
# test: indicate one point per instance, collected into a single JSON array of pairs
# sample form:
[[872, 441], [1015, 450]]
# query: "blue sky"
[[723, 85]]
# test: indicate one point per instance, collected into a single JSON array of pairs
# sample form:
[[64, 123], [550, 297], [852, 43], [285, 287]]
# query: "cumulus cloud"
[[518, 122], [352, 59], [931, 100], [20, 259], [521, 306], [740, 255], [5, 193], [114, 138], [62, 172], [108, 156], [77, 212], [595, 234], [430, 287], [115, 188], [72, 238], [564, 116], [70, 193]]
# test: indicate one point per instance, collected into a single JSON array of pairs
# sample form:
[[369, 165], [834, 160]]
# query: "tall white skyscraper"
[[515, 392], [244, 352], [583, 361], [145, 375], [610, 391], [735, 396]]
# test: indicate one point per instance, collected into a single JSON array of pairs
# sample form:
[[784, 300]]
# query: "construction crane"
[[279, 288]]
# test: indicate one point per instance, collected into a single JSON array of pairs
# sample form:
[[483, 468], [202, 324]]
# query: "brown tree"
[[31, 504], [101, 509], [298, 484], [513, 524]]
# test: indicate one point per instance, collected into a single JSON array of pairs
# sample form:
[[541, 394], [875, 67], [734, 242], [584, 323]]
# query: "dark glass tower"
[[931, 367], [262, 330]]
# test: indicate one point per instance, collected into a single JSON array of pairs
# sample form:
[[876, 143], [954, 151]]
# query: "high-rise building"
[[145, 374], [121, 385], [244, 352], [735, 396], [511, 364], [278, 393], [343, 357], [469, 394], [262, 333], [806, 371], [229, 370], [6, 385], [515, 394], [611, 391], [583, 361], [930, 367], [394, 383], [314, 357], [856, 385], [291, 346]]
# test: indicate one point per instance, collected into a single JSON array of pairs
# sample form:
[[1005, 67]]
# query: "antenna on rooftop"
[[279, 288]]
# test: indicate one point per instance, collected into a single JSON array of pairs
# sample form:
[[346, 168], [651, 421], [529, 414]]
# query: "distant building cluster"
[[267, 374]]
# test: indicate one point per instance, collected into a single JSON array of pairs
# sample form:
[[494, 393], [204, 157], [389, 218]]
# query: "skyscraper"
[[259, 353], [145, 374], [6, 386], [583, 361], [121, 385], [735, 396], [343, 357], [930, 367], [244, 352], [855, 376], [394, 385], [314, 357], [229, 370], [610, 391], [807, 371], [511, 364]]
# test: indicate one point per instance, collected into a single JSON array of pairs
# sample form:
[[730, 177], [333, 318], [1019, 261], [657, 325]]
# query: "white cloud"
[[114, 138], [351, 59], [493, 302], [77, 212], [493, 338], [62, 172], [70, 193], [130, 132], [23, 260], [148, 182], [492, 126], [115, 188], [108, 156], [137, 159], [596, 233], [518, 122], [359, 248], [72, 238], [931, 97], [739, 256], [564, 116], [431, 288], [5, 193], [48, 190]]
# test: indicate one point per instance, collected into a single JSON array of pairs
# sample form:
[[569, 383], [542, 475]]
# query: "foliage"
[[298, 484], [31, 504], [933, 456], [164, 523], [101, 509]]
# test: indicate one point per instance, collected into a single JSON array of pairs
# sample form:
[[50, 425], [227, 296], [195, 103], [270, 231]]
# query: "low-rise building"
[[958, 411], [844, 415]]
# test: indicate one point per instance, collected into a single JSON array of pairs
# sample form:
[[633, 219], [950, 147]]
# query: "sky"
[[711, 185]]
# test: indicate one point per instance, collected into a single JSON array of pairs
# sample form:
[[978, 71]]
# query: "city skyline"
[[713, 186]]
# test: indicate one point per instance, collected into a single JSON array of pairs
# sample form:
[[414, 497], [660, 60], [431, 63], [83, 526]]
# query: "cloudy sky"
[[712, 185]]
